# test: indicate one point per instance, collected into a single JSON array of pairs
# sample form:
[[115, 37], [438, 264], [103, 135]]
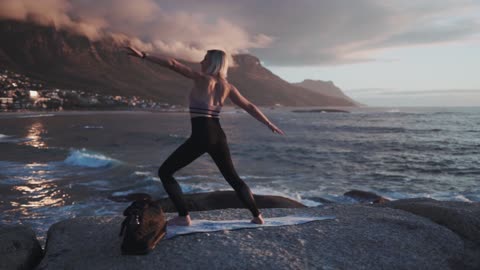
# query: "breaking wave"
[[89, 159]]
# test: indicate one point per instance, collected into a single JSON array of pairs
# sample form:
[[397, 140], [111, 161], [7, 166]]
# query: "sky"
[[380, 52]]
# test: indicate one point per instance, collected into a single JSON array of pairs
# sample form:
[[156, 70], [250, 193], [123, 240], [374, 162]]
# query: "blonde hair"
[[218, 63]]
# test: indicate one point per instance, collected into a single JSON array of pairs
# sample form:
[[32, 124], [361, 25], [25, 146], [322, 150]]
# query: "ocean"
[[60, 165]]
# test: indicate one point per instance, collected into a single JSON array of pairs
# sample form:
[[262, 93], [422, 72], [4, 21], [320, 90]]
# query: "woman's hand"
[[275, 129], [167, 62], [134, 52]]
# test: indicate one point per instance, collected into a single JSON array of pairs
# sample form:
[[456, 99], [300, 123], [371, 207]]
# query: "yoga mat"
[[203, 225]]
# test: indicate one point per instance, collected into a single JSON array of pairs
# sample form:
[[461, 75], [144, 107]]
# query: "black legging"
[[207, 136]]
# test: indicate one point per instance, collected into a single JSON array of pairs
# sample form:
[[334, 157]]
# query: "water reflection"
[[37, 191], [33, 194], [34, 135], [39, 195]]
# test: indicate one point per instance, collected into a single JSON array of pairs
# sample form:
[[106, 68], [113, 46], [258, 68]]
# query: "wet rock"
[[19, 247], [365, 196], [215, 200]]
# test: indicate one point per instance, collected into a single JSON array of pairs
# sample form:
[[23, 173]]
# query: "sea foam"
[[11, 139], [35, 115], [296, 196], [92, 127], [4, 137], [89, 159]]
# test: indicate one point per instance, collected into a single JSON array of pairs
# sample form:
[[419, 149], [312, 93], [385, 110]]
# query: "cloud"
[[46, 12], [315, 32], [337, 32], [179, 33], [280, 32]]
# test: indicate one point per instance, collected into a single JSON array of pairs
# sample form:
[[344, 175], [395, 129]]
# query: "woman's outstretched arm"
[[249, 107], [167, 62]]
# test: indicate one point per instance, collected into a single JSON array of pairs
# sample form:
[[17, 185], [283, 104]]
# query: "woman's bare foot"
[[258, 220], [180, 221]]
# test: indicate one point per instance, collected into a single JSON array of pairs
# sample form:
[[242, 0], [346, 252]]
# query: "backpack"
[[143, 227]]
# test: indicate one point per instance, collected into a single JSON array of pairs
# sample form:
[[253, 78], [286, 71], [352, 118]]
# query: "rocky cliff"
[[327, 88]]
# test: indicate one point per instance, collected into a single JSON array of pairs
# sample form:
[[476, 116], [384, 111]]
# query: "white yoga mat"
[[202, 225]]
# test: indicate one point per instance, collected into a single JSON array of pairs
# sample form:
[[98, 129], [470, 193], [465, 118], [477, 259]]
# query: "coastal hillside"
[[327, 88], [70, 61]]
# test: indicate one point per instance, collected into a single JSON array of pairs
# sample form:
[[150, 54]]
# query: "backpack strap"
[[133, 213], [124, 224]]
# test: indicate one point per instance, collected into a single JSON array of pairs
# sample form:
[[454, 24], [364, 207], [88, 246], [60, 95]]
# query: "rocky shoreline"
[[416, 233]]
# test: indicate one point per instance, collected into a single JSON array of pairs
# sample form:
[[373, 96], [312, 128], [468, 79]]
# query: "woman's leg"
[[220, 153], [184, 155]]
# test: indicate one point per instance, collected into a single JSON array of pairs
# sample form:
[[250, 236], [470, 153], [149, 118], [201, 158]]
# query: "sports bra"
[[203, 109]]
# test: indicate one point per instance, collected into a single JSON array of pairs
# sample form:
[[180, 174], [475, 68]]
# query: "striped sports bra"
[[203, 109]]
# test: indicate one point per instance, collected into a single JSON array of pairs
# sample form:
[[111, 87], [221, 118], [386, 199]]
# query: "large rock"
[[215, 200], [365, 196], [462, 218], [228, 199], [19, 248], [361, 237]]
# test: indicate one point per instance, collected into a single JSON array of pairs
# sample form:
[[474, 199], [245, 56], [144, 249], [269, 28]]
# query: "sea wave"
[[141, 173], [194, 176], [35, 115], [5, 138], [92, 127], [11, 139], [296, 196], [258, 190], [89, 159], [393, 111]]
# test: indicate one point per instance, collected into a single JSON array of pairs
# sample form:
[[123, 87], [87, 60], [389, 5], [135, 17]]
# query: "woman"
[[207, 97]]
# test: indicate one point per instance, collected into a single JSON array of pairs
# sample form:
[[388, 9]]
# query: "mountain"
[[327, 88], [67, 60]]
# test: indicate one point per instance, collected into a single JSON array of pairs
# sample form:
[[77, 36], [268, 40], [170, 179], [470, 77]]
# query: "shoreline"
[[84, 112], [293, 109]]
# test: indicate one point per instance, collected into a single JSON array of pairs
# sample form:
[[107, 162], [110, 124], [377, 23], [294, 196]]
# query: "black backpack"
[[144, 226]]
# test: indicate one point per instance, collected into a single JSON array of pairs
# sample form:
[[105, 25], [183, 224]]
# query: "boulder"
[[216, 200], [460, 217], [463, 218], [19, 248], [365, 196], [360, 237]]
